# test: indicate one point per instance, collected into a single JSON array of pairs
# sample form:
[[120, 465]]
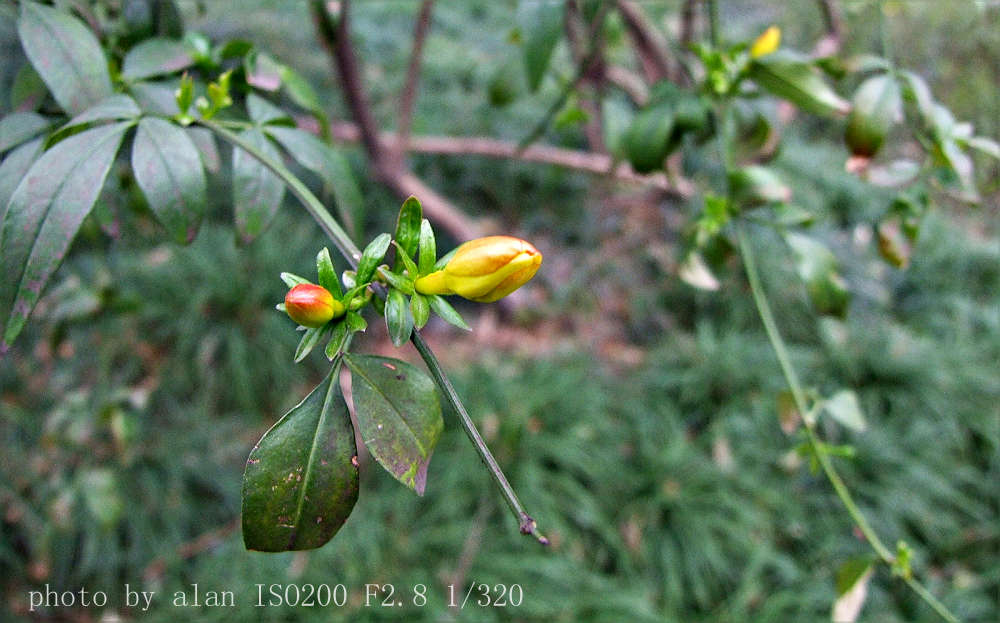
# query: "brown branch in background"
[[834, 21], [594, 76], [409, 94], [652, 57], [597, 164], [687, 23], [632, 84], [213, 538], [333, 31]]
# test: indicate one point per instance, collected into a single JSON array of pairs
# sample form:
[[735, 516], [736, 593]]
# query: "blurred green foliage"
[[669, 489]]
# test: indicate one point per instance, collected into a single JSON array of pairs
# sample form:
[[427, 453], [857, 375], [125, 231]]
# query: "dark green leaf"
[[408, 264], [398, 319], [355, 321], [408, 226], [852, 589], [18, 127], [447, 313], [168, 169], [262, 111], [167, 18], [13, 169], [506, 84], [795, 79], [301, 479], [647, 141], [156, 57], [399, 415], [327, 273], [257, 191], [427, 248], [44, 213], [420, 309], [28, 91], [372, 257], [541, 23], [877, 104], [915, 90], [66, 55]]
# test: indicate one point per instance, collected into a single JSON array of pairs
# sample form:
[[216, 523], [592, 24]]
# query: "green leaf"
[[28, 90], [262, 111], [114, 108], [66, 55], [877, 104], [852, 589], [204, 140], [310, 338], [155, 97], [427, 248], [647, 140], [18, 127], [325, 161], [156, 57], [408, 263], [262, 71], [44, 214], [291, 280], [398, 414], [986, 145], [372, 257], [915, 90], [408, 227], [755, 185], [420, 309], [168, 169], [398, 319], [541, 23], [338, 338], [506, 84], [795, 79], [327, 273], [844, 407], [444, 259], [257, 191], [398, 282], [355, 322], [816, 266], [101, 495], [300, 90], [447, 313], [301, 479], [13, 169]]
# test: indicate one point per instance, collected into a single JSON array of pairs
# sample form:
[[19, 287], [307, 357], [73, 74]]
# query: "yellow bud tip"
[[487, 269], [311, 305], [766, 43]]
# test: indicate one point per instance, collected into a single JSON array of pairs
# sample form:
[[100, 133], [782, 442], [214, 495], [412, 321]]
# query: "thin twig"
[[598, 164], [834, 23], [687, 23], [352, 254], [652, 56], [589, 103], [801, 403], [409, 94], [629, 82]]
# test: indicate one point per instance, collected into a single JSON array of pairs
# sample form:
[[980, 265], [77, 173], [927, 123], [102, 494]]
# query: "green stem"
[[778, 344], [352, 254], [527, 524]]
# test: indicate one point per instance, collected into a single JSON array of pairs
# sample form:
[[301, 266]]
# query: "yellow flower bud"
[[311, 305], [766, 43], [484, 269]]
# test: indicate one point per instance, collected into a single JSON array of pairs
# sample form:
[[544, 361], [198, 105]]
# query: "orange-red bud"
[[311, 305]]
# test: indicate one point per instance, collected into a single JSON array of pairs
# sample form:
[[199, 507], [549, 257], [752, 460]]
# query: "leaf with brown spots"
[[301, 479]]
